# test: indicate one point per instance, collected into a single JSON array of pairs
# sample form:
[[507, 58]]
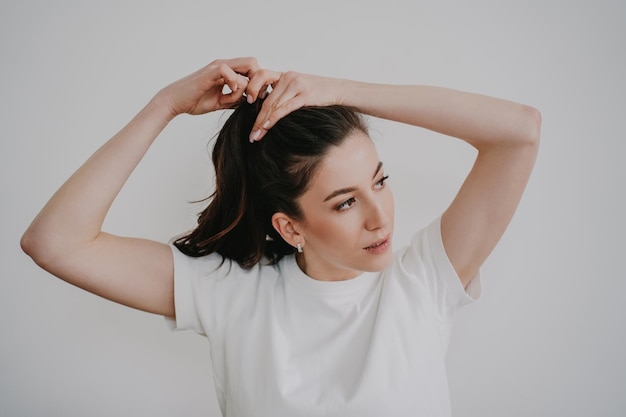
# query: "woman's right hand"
[[66, 238], [203, 91]]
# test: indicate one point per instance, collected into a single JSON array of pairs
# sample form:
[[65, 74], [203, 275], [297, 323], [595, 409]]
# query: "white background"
[[548, 337]]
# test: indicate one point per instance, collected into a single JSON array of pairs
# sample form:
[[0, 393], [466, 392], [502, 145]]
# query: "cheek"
[[391, 204], [333, 230]]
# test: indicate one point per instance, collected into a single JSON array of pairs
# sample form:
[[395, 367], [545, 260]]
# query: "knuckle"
[[222, 67], [291, 76], [263, 72]]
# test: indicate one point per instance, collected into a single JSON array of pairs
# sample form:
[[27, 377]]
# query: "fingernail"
[[255, 135], [235, 88], [250, 99], [266, 124]]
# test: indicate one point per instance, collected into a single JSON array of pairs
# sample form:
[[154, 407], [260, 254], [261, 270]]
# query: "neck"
[[316, 272]]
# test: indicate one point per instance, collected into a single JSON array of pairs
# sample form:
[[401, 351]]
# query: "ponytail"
[[256, 180]]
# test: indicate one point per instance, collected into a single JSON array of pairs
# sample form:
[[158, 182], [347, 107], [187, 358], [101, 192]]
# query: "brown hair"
[[256, 180]]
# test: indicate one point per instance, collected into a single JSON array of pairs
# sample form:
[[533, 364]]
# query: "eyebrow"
[[351, 189]]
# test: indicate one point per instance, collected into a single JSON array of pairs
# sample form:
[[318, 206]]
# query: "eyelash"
[[380, 184]]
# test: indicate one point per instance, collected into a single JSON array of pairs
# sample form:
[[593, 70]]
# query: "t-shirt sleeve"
[[427, 263], [187, 275]]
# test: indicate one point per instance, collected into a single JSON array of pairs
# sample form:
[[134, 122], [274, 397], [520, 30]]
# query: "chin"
[[378, 265]]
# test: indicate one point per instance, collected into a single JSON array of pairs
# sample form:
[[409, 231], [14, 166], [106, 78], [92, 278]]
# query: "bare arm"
[[505, 134], [66, 237]]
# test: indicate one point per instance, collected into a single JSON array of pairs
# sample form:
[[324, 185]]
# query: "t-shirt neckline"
[[293, 274]]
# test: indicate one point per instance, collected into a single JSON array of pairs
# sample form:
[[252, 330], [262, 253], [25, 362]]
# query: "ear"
[[288, 229]]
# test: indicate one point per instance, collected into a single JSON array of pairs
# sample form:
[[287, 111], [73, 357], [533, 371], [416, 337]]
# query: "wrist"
[[159, 107], [353, 94], [151, 119]]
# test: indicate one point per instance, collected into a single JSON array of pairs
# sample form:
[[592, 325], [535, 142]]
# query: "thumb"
[[231, 97]]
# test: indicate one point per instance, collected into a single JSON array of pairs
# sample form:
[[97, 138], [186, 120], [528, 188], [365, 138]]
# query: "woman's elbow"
[[532, 123], [34, 245], [27, 243]]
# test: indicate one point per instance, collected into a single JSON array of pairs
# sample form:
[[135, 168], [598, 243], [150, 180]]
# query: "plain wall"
[[547, 338]]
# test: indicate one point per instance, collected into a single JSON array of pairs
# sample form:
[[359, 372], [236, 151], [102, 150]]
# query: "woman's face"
[[348, 214]]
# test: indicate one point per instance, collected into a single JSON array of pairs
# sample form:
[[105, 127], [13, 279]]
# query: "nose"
[[378, 215]]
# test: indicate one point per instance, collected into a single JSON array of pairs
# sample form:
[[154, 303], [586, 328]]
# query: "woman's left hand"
[[290, 91]]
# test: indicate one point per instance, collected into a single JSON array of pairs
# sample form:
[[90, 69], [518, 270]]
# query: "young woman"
[[290, 272]]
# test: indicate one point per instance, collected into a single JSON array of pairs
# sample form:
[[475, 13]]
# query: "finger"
[[276, 106], [280, 93], [247, 66], [257, 87], [261, 124], [284, 91], [279, 112], [229, 70], [283, 110], [230, 77], [265, 91], [228, 99]]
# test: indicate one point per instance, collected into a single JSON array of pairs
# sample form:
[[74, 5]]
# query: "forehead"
[[348, 165]]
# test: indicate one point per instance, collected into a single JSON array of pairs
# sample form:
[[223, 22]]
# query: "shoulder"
[[425, 251], [216, 268], [211, 288], [424, 265]]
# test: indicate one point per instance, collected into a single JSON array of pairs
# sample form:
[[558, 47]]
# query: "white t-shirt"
[[284, 344]]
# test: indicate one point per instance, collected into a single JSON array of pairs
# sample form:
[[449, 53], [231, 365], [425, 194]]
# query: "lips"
[[379, 246]]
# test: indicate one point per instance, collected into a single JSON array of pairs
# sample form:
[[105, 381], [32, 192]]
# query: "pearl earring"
[[299, 248]]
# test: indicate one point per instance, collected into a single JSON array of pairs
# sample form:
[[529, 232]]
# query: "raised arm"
[[66, 237], [505, 134]]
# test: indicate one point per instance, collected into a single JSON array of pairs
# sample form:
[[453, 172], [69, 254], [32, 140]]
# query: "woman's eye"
[[346, 204], [381, 182]]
